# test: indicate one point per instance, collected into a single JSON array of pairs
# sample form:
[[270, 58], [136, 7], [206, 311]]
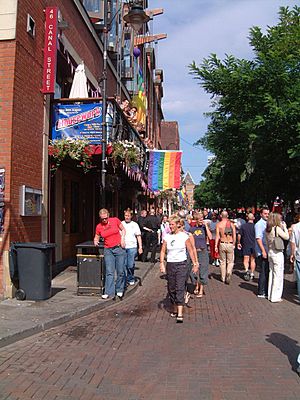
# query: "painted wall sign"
[[50, 50], [78, 121]]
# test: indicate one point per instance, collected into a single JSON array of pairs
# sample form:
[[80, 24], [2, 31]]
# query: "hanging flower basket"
[[125, 152], [78, 150]]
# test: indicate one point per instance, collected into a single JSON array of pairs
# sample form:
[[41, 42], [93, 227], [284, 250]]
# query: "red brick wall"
[[7, 67], [170, 135], [22, 111], [80, 38], [27, 132]]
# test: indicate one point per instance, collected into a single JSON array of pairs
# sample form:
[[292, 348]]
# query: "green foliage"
[[126, 152], [254, 128], [78, 150]]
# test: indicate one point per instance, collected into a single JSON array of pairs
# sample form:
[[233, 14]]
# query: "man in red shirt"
[[113, 233]]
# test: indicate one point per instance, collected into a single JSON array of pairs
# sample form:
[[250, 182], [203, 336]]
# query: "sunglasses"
[[104, 219]]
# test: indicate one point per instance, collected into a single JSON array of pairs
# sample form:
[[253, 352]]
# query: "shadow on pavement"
[[215, 276], [290, 291], [248, 286], [287, 346], [165, 304], [55, 290]]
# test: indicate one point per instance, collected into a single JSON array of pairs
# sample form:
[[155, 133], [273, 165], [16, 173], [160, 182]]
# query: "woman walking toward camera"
[[176, 244], [276, 232]]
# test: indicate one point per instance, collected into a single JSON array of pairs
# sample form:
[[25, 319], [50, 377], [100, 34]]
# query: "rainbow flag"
[[164, 170], [182, 196]]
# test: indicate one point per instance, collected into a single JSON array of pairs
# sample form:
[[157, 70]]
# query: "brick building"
[[66, 212], [189, 184], [170, 135]]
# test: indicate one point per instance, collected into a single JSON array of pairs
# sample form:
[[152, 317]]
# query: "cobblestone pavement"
[[231, 345]]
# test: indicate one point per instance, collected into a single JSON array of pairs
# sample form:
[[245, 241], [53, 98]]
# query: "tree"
[[254, 130]]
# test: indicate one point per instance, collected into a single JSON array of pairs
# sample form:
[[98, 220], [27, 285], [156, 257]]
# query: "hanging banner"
[[140, 99], [164, 170], [78, 121], [50, 50]]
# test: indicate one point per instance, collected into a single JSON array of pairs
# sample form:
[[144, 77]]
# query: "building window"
[[92, 5]]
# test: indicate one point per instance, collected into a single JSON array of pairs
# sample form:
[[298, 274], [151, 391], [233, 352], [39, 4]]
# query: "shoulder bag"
[[278, 242]]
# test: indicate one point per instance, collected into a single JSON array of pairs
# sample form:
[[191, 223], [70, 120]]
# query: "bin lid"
[[34, 245], [89, 244]]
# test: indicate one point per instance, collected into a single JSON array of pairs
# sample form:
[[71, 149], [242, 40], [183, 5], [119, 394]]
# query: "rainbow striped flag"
[[182, 196], [164, 170]]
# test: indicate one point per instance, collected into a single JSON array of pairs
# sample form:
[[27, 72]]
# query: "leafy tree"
[[254, 130]]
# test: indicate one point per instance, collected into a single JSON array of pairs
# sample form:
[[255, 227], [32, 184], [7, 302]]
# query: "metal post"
[[104, 106]]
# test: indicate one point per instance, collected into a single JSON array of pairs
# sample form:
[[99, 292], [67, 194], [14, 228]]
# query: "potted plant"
[[77, 149], [126, 152]]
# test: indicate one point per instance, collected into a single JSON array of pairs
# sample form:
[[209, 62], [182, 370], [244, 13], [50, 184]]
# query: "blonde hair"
[[103, 211], [175, 218], [128, 211], [274, 219], [198, 215]]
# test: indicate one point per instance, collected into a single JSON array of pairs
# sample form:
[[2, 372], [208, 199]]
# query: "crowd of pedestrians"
[[214, 237], [189, 242]]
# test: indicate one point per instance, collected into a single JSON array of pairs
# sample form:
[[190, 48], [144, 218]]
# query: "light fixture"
[[136, 17]]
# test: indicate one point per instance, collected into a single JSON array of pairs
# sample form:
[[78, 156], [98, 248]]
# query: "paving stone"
[[231, 345]]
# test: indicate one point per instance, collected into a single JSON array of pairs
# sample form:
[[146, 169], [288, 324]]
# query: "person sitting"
[[124, 104], [133, 116], [141, 128]]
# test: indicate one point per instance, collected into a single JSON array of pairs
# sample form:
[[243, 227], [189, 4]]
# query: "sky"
[[195, 29]]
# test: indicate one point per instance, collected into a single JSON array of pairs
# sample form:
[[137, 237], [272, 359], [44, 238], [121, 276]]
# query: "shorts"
[[248, 251]]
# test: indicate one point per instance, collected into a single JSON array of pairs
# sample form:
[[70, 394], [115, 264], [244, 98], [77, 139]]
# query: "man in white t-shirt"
[[132, 239]]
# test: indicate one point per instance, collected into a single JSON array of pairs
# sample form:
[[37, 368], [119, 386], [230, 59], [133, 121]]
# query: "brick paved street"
[[231, 345]]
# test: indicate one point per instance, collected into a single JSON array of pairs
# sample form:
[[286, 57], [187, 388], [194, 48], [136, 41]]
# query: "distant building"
[[189, 186]]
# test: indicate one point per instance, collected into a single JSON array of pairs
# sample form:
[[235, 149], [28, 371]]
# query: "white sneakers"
[[106, 296]]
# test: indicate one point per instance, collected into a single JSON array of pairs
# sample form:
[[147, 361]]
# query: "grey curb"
[[70, 316]]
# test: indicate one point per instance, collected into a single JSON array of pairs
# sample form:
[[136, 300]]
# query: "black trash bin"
[[34, 269], [90, 268]]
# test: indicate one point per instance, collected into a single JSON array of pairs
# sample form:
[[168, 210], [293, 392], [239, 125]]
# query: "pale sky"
[[195, 29]]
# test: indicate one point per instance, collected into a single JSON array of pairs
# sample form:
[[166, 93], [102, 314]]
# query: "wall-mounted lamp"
[[136, 16]]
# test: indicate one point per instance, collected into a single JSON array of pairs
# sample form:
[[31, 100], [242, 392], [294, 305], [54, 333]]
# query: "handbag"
[[278, 242]]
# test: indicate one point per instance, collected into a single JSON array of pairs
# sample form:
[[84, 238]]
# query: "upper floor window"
[[92, 5]]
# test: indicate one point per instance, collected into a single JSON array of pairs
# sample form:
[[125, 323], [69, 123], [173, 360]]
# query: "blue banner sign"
[[78, 121]]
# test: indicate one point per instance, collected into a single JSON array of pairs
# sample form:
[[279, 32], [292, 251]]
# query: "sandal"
[[199, 295], [179, 319], [187, 298], [173, 314]]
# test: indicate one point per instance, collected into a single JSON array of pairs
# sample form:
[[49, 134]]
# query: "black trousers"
[[151, 240], [176, 275], [141, 256], [263, 279]]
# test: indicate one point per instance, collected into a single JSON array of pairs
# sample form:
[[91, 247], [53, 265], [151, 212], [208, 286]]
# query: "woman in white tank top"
[[176, 244]]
